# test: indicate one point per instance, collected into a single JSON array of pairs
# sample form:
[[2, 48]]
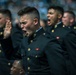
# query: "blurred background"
[[15, 5]]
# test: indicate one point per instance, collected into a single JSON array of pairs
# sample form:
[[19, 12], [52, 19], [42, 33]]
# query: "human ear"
[[59, 16], [35, 21]]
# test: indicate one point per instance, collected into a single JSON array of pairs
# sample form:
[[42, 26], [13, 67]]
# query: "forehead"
[[25, 17], [51, 10], [66, 14], [16, 64], [1, 15]]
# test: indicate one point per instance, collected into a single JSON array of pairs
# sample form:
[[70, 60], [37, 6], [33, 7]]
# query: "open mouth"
[[48, 21], [25, 33]]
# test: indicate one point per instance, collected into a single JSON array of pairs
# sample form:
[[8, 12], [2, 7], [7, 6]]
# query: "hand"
[[7, 29]]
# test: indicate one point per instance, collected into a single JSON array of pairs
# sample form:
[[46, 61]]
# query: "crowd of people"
[[41, 5], [33, 46]]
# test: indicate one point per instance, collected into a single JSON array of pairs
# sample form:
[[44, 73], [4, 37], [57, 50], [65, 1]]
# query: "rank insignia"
[[57, 37], [37, 49]]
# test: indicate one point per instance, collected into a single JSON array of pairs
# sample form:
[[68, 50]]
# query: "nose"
[[21, 25], [11, 68], [47, 15]]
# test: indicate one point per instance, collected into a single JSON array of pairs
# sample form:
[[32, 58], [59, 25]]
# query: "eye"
[[22, 22]]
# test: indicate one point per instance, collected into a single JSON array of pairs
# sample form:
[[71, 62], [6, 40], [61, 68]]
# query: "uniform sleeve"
[[70, 46], [7, 47], [17, 36], [55, 58], [70, 43]]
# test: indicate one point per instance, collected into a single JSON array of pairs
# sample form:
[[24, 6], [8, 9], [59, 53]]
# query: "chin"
[[49, 24], [11, 73]]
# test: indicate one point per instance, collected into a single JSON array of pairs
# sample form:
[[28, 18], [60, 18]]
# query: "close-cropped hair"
[[20, 63], [72, 14], [29, 10], [6, 12], [58, 8]]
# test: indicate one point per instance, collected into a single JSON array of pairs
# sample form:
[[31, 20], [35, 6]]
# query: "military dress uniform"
[[38, 55], [5, 55], [16, 37], [70, 46], [59, 31], [8, 49]]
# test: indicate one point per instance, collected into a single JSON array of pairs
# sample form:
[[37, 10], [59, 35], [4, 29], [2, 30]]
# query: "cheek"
[[29, 26], [63, 19], [54, 18], [15, 71], [2, 21]]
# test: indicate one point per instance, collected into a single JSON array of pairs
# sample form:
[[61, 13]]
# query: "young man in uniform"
[[68, 19], [70, 47], [56, 29], [38, 53], [6, 46]]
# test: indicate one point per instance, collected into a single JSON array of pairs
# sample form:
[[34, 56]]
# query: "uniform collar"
[[38, 29]]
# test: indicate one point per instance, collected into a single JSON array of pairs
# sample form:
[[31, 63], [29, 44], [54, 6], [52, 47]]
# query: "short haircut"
[[72, 14], [29, 10], [58, 8], [6, 12], [19, 62]]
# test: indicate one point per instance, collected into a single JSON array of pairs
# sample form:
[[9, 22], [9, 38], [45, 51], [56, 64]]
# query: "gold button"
[[29, 49], [52, 31], [9, 63], [43, 33], [1, 33], [36, 56], [74, 27], [0, 45], [28, 68], [31, 41], [55, 26], [63, 25], [28, 58], [0, 51]]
